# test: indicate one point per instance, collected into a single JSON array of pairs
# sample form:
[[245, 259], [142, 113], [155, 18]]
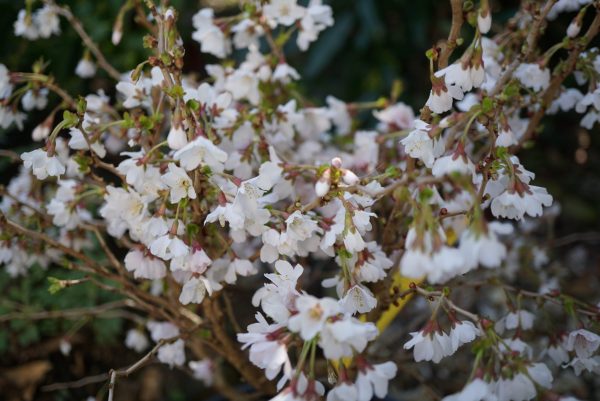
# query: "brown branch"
[[89, 43], [576, 237], [75, 384], [555, 85], [535, 30], [527, 49], [231, 350], [95, 267], [137, 365], [450, 45]]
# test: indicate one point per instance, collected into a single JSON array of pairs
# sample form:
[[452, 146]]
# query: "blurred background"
[[372, 43]]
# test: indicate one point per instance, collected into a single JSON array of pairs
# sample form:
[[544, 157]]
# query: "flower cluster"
[[204, 185]]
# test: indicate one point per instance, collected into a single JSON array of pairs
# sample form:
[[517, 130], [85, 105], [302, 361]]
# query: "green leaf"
[[55, 285]]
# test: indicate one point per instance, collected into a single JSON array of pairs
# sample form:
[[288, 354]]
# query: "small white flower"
[[343, 338], [172, 354], [46, 20], [462, 332], [533, 76], [284, 12], [374, 379], [78, 142], [476, 390], [353, 241], [35, 99], [574, 28], [201, 151], [212, 40], [203, 370], [180, 184], [162, 330], [521, 318], [144, 266], [399, 116], [266, 351], [430, 346], [484, 247], [85, 68], [177, 137], [558, 354], [439, 101], [506, 138], [323, 184], [419, 145], [42, 165], [590, 364], [246, 33], [453, 164], [484, 21], [358, 299], [25, 27], [514, 205], [133, 92], [339, 115], [194, 290], [136, 340], [168, 247], [441, 95], [345, 391], [284, 73], [6, 86], [583, 342], [312, 314]]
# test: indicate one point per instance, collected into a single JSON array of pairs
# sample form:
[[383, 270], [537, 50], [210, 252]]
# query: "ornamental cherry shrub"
[[198, 193]]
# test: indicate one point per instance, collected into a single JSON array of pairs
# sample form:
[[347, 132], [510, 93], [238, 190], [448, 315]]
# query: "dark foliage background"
[[373, 43]]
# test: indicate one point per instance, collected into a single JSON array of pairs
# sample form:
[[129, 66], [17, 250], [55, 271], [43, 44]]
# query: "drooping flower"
[[42, 165], [374, 379], [583, 342], [430, 344]]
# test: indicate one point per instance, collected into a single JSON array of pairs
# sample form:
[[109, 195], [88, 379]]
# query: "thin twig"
[[137, 365], [450, 45], [555, 85], [75, 384], [89, 43]]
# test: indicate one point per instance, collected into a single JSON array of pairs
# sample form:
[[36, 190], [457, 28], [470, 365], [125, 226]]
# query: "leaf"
[[55, 285]]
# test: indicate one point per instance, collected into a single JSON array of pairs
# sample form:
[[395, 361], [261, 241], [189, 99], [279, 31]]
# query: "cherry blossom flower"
[[284, 12], [583, 342], [266, 351], [533, 76], [42, 165], [373, 380], [210, 37], [194, 290], [180, 184], [144, 266], [476, 390], [201, 151], [430, 344], [85, 68], [136, 340], [312, 314], [203, 370], [358, 299]]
